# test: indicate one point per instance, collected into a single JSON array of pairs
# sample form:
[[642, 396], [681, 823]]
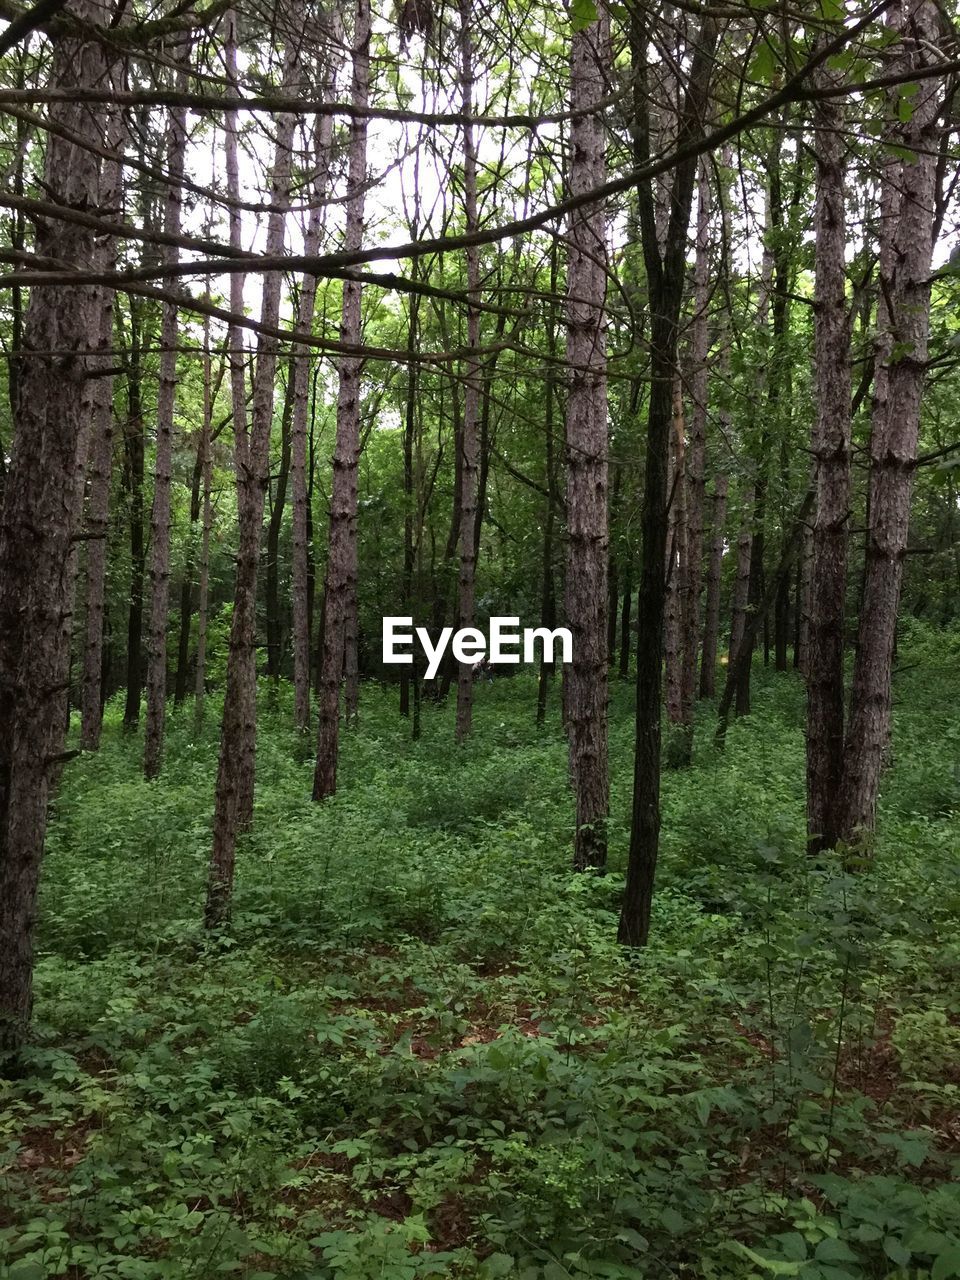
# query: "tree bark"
[[711, 620], [163, 465], [100, 473], [42, 506], [626, 643], [203, 588], [273, 620], [233, 808], [471, 391], [301, 365], [675, 562], [901, 357], [692, 577], [586, 440], [342, 556], [831, 454], [665, 275], [134, 458]]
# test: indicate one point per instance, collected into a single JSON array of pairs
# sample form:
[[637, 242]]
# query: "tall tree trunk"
[[409, 440], [831, 453], [788, 555], [163, 465], [187, 582], [741, 583], [692, 580], [471, 391], [42, 506], [100, 470], [676, 560], [625, 612], [342, 557], [273, 620], [233, 809], [586, 439], [205, 455], [302, 362], [905, 284], [711, 620], [134, 456], [613, 577], [665, 275]]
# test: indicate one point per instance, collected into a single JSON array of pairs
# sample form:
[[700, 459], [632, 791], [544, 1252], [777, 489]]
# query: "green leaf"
[[498, 1264], [582, 14], [896, 1250], [834, 1251], [673, 1221], [947, 1264]]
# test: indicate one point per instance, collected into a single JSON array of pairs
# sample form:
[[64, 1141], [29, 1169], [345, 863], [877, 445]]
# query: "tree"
[[233, 813], [831, 453], [341, 581], [665, 283], [585, 599], [908, 203], [471, 389], [42, 505], [160, 515]]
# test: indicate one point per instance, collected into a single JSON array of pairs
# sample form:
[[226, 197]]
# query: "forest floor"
[[420, 1050]]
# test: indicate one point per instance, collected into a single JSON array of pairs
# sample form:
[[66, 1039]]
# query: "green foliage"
[[420, 1052]]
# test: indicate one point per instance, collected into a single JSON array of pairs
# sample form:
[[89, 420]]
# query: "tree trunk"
[[735, 669], [692, 579], [831, 454], [134, 451], [586, 440], [665, 275], [342, 555], [302, 362], [163, 464], [273, 620], [905, 284], [100, 472], [42, 506], [203, 589], [409, 440], [711, 621], [675, 562], [625, 638], [233, 809], [471, 390]]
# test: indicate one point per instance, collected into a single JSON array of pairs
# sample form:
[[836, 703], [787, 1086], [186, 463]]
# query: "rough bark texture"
[[675, 561], [271, 599], [342, 555], [471, 391], [692, 577], [625, 611], [711, 618], [665, 275], [233, 809], [42, 504], [163, 466], [831, 454], [905, 283], [203, 587], [302, 365], [586, 440], [133, 430], [99, 475], [741, 581]]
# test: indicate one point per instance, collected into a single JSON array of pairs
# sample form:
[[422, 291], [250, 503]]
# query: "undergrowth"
[[419, 1051]]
